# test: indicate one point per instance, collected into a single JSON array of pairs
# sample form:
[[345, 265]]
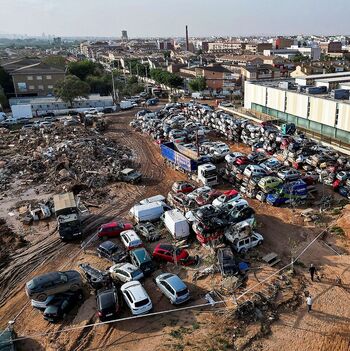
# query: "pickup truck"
[[130, 175]]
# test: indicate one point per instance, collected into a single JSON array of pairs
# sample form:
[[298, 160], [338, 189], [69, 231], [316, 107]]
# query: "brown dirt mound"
[[9, 242]]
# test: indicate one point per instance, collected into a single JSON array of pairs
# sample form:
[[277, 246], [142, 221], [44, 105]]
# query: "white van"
[[152, 199], [148, 212], [177, 224]]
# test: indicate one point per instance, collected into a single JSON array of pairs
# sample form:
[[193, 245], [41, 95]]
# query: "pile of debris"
[[61, 156]]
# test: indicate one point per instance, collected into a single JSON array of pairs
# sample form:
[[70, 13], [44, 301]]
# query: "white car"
[[199, 191], [125, 272], [245, 244], [226, 199], [232, 156], [253, 171], [136, 298], [130, 239]]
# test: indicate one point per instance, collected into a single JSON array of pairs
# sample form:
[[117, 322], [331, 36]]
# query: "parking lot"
[[284, 229]]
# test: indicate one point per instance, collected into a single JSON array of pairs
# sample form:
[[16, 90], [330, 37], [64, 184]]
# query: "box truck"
[[149, 212], [177, 224]]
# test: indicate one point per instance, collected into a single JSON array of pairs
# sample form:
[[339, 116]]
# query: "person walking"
[[312, 271], [309, 303]]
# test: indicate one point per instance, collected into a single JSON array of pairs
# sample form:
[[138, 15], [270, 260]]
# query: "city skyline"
[[108, 18]]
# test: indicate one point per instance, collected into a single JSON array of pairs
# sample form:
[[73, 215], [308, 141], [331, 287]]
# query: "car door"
[[168, 256], [166, 288], [122, 275]]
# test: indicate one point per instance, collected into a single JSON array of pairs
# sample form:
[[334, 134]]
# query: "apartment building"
[[321, 114], [257, 48], [33, 78], [225, 47], [218, 78], [331, 47]]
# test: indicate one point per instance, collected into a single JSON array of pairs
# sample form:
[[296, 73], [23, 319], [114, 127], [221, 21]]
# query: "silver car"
[[173, 288]]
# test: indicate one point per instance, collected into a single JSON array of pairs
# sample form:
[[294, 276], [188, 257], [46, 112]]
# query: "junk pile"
[[61, 157]]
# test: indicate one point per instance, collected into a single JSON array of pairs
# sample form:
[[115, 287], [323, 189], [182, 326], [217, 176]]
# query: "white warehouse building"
[[321, 114]]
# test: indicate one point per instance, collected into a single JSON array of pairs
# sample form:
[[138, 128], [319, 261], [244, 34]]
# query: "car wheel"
[[243, 251], [41, 297], [260, 242], [99, 255]]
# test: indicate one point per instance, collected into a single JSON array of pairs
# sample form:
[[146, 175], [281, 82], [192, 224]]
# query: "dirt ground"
[[290, 327]]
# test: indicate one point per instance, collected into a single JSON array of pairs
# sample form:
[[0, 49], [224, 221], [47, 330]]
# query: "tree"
[[71, 88], [100, 84], [6, 81], [3, 98], [164, 77], [197, 84], [84, 68]]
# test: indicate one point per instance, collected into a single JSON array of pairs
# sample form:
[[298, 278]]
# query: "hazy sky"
[[169, 17]]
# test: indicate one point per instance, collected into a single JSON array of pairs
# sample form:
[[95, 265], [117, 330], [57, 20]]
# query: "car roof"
[[45, 278], [110, 225], [175, 282], [135, 289], [167, 247], [106, 296], [108, 245], [141, 253]]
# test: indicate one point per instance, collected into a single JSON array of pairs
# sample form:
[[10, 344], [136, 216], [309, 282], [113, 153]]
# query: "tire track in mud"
[[52, 254]]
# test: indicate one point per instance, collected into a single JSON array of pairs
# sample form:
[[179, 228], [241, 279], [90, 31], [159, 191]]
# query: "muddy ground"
[[280, 323]]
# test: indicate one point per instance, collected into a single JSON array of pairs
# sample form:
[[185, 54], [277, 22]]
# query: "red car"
[[182, 187], [112, 229], [242, 160], [208, 198], [168, 253]]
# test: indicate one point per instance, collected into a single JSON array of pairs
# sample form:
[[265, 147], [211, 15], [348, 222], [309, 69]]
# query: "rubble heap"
[[61, 157]]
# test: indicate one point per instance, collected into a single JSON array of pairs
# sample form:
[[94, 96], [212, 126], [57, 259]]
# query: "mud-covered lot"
[[278, 321]]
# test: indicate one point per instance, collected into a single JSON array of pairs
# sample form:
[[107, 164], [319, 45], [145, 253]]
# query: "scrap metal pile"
[[283, 154], [60, 157]]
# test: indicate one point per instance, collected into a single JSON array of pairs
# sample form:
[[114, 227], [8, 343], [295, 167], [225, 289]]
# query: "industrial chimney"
[[187, 44]]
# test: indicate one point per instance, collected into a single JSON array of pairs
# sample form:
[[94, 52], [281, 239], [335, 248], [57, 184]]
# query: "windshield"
[[142, 303], [182, 292], [136, 273]]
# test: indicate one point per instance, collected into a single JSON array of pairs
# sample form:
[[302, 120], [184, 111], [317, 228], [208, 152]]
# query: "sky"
[[163, 18]]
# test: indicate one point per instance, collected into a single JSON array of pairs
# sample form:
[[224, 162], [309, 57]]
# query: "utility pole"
[[113, 86]]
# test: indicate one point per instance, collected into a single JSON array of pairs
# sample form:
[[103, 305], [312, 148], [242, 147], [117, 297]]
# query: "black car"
[[112, 252], [227, 262], [107, 304], [61, 304]]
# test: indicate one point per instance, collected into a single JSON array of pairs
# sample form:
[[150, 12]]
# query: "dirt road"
[[190, 330]]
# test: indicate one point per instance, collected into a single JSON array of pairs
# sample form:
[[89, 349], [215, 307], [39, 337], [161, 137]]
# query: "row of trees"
[[167, 78]]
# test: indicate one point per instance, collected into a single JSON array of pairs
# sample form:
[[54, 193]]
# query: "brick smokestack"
[[187, 43]]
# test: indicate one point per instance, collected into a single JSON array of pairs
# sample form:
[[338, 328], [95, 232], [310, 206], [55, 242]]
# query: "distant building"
[[165, 45], [36, 80], [260, 72], [257, 48], [225, 47], [282, 43], [124, 35], [57, 42], [31, 77], [321, 113], [314, 53], [217, 77], [331, 47]]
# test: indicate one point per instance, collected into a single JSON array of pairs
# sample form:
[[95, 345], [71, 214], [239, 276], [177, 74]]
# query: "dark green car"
[[141, 259]]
